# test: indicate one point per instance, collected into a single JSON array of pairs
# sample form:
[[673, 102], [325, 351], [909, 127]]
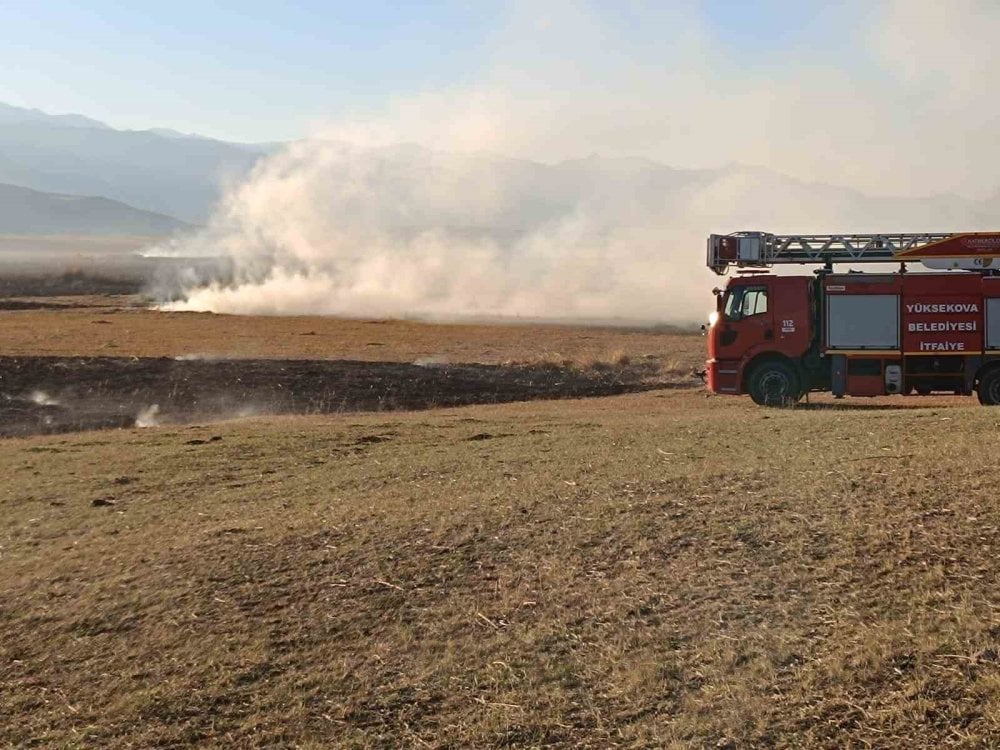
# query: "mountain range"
[[71, 173], [159, 171], [26, 211]]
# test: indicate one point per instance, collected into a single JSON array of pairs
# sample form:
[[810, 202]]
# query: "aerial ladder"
[[979, 251]]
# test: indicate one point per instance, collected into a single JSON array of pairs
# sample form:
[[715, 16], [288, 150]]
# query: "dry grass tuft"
[[621, 359]]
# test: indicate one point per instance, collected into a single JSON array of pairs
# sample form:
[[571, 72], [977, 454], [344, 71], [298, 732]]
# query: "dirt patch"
[[60, 394]]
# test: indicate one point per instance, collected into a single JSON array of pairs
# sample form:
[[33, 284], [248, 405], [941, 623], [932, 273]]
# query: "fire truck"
[[901, 330]]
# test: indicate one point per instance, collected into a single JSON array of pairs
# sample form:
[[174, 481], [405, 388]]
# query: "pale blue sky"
[[267, 70]]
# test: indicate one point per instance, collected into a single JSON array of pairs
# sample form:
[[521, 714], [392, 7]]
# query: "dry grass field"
[[658, 569], [109, 327]]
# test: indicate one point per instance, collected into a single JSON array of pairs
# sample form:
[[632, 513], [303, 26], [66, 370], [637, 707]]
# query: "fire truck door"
[[747, 322]]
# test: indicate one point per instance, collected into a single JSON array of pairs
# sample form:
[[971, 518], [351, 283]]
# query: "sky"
[[250, 71], [893, 97], [264, 71]]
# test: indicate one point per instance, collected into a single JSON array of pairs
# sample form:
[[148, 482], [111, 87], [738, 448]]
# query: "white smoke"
[[437, 360], [148, 417], [41, 398], [198, 357], [351, 223], [327, 228]]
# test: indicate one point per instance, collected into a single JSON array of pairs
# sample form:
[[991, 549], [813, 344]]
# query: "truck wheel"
[[989, 388], [774, 384]]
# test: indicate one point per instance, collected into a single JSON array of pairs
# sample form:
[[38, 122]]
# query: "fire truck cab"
[[759, 335]]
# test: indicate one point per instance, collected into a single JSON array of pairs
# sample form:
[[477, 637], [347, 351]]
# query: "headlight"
[[713, 318]]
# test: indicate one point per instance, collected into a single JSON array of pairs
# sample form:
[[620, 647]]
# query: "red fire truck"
[[777, 337]]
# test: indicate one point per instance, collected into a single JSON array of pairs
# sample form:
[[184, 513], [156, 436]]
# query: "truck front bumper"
[[723, 376]]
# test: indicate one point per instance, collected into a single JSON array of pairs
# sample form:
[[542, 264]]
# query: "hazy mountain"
[[183, 175], [171, 133], [171, 174], [24, 211], [408, 186], [10, 114], [255, 148]]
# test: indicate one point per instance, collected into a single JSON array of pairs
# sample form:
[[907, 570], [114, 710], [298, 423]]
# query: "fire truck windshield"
[[734, 301], [742, 302]]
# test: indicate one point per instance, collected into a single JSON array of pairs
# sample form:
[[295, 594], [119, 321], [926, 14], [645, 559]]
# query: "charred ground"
[[65, 394]]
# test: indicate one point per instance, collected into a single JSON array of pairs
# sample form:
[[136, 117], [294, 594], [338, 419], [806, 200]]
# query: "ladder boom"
[[977, 250]]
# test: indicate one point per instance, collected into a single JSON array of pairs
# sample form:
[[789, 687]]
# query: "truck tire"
[[774, 384], [989, 388]]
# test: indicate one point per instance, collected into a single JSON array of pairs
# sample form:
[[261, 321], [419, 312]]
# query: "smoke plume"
[[497, 208]]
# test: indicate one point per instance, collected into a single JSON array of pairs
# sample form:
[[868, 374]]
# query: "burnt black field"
[[40, 395]]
